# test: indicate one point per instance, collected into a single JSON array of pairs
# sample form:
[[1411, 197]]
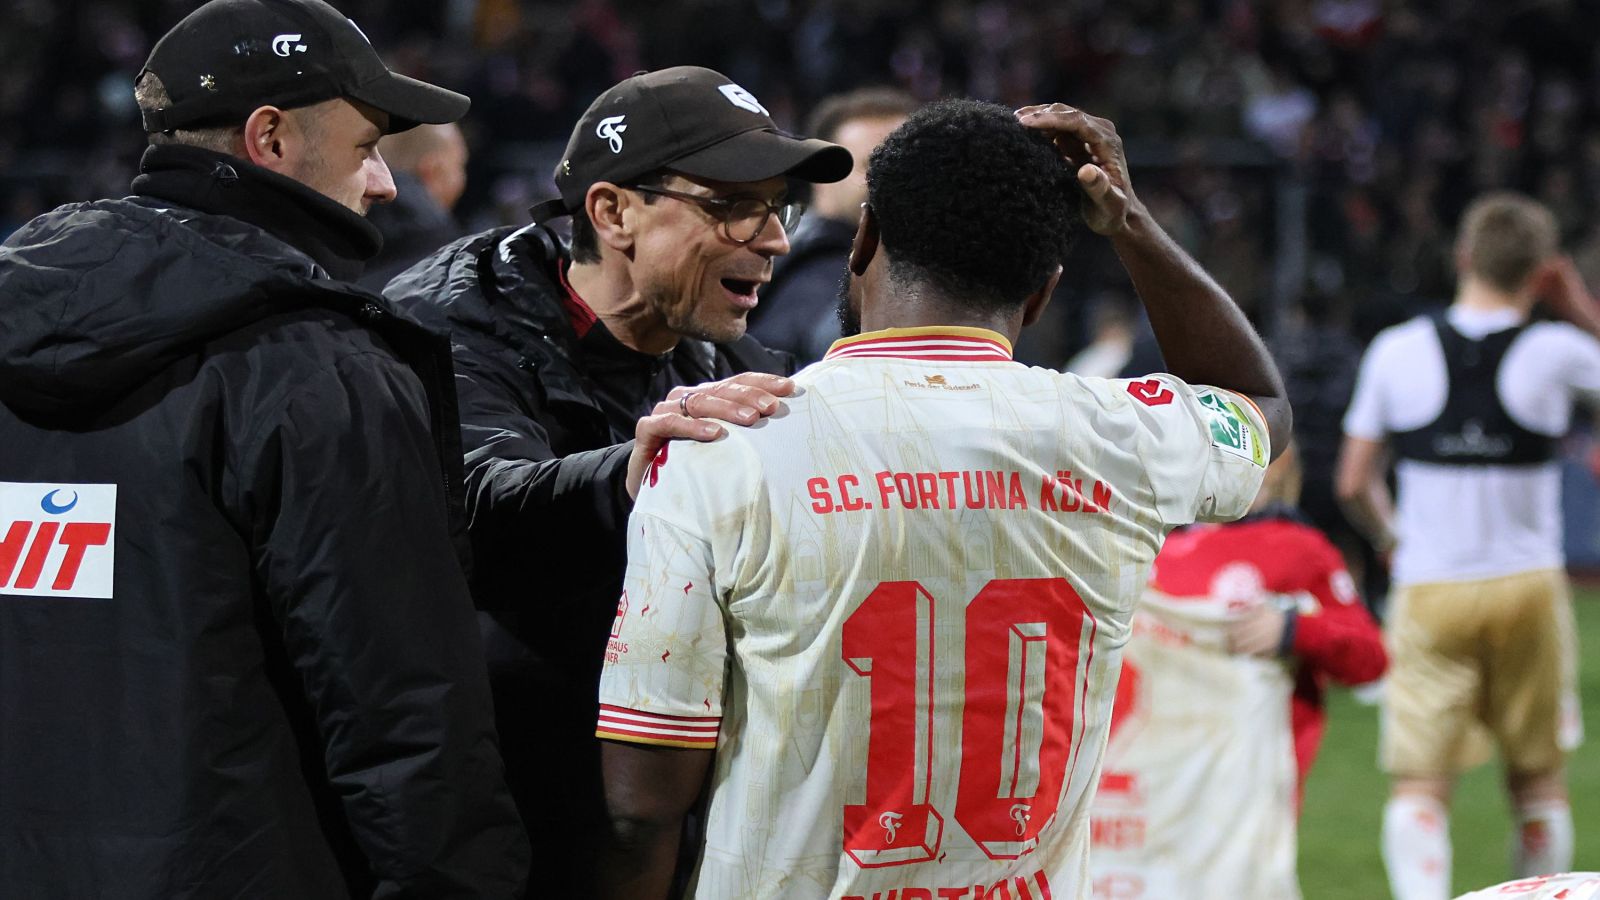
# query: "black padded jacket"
[[255, 671], [547, 419]]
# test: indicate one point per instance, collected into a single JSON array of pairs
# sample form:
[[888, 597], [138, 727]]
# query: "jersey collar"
[[944, 343]]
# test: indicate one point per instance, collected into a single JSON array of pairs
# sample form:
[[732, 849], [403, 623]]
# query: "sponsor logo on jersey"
[[1238, 584], [941, 383], [56, 539], [1151, 392], [1231, 430]]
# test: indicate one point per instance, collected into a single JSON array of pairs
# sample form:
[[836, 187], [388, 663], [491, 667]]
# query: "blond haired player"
[[1472, 403], [892, 615]]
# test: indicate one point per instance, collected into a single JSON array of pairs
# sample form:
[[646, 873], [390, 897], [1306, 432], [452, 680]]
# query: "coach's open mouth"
[[742, 291]]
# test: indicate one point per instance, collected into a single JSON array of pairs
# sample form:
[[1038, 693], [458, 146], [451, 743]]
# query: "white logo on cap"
[[743, 99], [611, 129], [280, 44]]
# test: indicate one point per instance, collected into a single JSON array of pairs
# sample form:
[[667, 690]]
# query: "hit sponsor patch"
[[56, 540]]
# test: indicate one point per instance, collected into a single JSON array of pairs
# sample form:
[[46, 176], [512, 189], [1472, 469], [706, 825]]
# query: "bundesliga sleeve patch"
[[1231, 429], [56, 539]]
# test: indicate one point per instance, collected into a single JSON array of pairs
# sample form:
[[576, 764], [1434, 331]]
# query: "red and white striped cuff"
[[619, 723]]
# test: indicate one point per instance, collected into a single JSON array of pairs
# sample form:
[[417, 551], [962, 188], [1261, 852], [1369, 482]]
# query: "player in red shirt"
[[1219, 713], [1328, 636]]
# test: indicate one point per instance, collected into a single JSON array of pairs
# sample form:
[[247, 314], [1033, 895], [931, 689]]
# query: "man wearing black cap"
[[237, 651], [676, 182]]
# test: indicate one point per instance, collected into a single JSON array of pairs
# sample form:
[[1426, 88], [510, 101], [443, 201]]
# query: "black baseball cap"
[[230, 57], [689, 120]]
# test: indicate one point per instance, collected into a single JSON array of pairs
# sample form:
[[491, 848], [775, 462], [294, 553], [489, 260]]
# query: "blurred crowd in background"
[[1313, 154]]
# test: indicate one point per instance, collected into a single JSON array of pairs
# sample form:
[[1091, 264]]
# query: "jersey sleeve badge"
[[1232, 430]]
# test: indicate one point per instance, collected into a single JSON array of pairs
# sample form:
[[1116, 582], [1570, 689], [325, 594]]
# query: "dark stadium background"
[[1313, 154]]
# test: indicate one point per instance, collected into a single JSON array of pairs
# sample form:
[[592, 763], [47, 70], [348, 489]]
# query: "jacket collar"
[[337, 238]]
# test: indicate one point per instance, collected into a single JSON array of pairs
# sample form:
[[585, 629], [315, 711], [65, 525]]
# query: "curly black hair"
[[972, 204]]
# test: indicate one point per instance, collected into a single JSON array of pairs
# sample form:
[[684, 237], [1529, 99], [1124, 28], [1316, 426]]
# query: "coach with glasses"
[[677, 185]]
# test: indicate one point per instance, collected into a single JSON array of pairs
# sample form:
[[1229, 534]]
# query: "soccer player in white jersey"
[[1220, 710], [892, 615], [1473, 403], [1571, 886]]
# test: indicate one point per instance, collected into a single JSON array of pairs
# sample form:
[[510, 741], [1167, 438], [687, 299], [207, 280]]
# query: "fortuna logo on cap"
[[611, 129], [743, 99], [280, 44]]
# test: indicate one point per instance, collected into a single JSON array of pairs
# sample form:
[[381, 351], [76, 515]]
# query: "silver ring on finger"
[[683, 404]]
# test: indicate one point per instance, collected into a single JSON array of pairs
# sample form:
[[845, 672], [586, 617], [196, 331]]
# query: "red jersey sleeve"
[[1339, 638]]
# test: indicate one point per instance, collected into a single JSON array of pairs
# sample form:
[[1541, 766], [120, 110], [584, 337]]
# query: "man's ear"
[[270, 141], [1033, 307], [865, 245], [610, 209]]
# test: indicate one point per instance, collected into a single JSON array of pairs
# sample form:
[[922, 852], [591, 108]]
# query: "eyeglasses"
[[743, 218]]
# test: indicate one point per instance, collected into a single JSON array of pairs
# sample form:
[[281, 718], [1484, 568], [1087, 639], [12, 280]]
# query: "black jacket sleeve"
[[542, 526], [353, 555]]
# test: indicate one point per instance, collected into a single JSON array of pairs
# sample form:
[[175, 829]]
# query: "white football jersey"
[[896, 611], [1572, 886], [1197, 796]]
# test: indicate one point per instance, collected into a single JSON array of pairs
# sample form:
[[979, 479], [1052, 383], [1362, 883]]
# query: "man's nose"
[[380, 183], [772, 240]]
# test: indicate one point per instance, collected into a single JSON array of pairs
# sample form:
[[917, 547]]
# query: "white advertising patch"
[[57, 540]]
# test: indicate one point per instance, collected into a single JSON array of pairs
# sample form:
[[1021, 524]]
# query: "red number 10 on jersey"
[[1022, 684]]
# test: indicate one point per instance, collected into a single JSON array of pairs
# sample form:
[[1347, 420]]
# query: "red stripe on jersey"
[[637, 726], [641, 725], [640, 737], [639, 713], [976, 345], [648, 728]]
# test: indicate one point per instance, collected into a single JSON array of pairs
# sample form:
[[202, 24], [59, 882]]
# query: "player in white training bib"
[[893, 614], [1472, 404]]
